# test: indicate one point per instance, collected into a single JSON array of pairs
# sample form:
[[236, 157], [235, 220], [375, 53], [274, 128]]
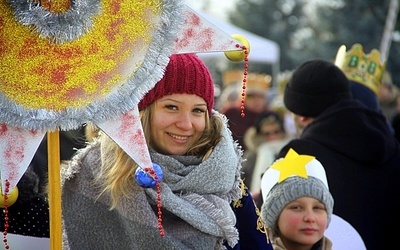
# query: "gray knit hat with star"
[[290, 178]]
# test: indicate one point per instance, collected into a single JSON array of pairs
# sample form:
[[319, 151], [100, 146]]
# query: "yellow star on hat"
[[292, 165]]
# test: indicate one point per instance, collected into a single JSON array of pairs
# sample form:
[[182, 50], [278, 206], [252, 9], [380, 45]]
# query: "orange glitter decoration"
[[56, 6], [38, 74]]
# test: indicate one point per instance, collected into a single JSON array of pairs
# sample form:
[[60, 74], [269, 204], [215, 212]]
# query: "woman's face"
[[177, 123], [271, 132]]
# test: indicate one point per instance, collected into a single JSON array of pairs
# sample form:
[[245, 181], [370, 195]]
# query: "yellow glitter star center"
[[292, 165]]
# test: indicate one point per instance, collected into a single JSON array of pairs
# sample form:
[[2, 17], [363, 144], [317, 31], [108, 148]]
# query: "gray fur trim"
[[57, 27]]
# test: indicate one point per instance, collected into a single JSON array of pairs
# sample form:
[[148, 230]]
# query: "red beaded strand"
[[5, 212], [245, 72], [152, 173]]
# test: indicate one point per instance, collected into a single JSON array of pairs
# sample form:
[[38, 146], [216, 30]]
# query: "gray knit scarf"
[[198, 192]]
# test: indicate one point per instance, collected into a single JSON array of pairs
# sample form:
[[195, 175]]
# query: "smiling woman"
[[178, 123], [201, 202]]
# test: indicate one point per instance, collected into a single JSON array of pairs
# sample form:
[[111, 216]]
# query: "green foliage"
[[317, 28]]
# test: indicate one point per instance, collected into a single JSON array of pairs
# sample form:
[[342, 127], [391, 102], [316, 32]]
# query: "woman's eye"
[[197, 110], [171, 107]]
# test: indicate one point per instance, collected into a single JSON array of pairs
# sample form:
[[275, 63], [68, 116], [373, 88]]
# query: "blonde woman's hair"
[[91, 131], [117, 176]]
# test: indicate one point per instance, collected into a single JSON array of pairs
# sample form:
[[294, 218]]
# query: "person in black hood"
[[359, 152]]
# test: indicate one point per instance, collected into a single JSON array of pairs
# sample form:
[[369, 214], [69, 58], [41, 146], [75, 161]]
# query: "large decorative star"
[[292, 165]]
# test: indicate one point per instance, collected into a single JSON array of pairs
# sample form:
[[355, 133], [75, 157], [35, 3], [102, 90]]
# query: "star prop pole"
[[66, 64], [53, 151]]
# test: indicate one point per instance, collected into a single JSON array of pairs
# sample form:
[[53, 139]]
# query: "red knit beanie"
[[185, 74]]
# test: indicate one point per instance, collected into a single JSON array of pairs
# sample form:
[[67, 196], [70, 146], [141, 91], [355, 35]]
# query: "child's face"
[[302, 222]]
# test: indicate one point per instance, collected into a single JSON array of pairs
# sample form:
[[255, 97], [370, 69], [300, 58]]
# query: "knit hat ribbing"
[[291, 189], [315, 86], [185, 74]]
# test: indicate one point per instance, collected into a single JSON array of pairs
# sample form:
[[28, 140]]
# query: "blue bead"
[[144, 180]]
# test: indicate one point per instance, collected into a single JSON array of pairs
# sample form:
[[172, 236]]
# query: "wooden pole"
[[388, 30], [53, 153]]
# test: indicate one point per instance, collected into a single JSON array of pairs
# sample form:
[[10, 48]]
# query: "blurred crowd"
[[263, 134]]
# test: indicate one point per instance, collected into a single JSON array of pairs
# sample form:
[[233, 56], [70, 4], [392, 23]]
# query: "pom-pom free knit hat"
[[315, 86], [290, 178], [185, 74]]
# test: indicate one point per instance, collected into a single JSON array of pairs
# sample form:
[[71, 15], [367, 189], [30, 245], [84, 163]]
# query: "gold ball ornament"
[[11, 197], [238, 55]]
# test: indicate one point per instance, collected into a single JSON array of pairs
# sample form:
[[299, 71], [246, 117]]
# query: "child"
[[297, 204]]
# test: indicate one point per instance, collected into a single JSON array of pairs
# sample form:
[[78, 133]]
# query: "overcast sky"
[[217, 8]]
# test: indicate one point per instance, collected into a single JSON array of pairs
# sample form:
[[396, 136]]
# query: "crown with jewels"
[[256, 81], [366, 69]]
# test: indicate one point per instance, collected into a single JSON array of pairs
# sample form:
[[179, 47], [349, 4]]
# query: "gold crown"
[[232, 77], [366, 69], [255, 81]]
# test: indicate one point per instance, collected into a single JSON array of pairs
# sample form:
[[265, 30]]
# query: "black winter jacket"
[[362, 161]]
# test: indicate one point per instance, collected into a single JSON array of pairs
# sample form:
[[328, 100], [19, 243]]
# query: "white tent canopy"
[[262, 50]]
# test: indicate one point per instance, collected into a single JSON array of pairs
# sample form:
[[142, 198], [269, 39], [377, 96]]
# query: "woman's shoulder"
[[87, 158]]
